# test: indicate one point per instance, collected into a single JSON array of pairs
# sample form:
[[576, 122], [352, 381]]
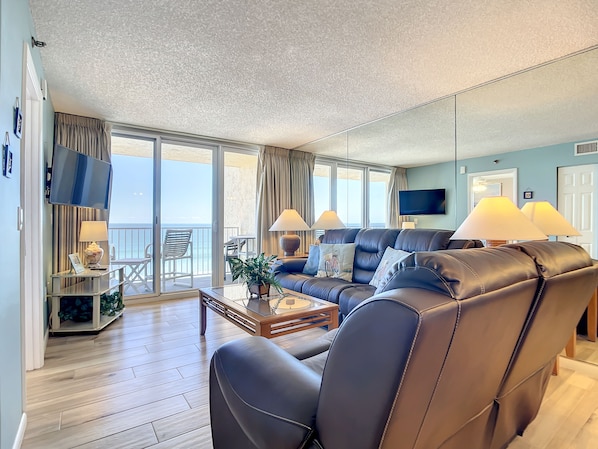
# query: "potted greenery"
[[256, 273]]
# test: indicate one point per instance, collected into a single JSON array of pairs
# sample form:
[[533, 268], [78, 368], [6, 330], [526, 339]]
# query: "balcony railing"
[[133, 242]]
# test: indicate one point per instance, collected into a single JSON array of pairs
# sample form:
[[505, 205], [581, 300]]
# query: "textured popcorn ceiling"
[[287, 73]]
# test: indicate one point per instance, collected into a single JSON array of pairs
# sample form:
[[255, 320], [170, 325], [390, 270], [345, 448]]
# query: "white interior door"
[[576, 201]]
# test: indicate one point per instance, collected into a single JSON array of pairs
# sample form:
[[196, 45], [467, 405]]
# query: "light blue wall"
[[536, 171], [16, 28]]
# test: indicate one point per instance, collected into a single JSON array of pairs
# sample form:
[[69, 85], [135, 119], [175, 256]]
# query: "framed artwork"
[[76, 264], [7, 161], [18, 122]]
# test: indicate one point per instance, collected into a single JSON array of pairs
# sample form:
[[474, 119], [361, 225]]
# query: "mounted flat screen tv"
[[422, 202], [79, 180]]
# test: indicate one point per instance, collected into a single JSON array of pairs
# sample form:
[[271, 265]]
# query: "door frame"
[[31, 217]]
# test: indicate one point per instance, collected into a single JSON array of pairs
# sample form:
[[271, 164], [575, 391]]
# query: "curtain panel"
[[91, 137], [302, 192], [285, 181], [398, 181], [273, 194]]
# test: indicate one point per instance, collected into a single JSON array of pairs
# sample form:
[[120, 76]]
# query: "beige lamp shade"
[[328, 220], [548, 219], [289, 221], [408, 225], [496, 220], [93, 231]]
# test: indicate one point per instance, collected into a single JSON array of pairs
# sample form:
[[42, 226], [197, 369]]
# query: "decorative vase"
[[258, 290]]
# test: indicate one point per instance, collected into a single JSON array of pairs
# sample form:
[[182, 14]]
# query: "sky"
[[187, 193]]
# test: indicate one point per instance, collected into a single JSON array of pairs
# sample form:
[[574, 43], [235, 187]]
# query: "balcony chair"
[[232, 248], [176, 249]]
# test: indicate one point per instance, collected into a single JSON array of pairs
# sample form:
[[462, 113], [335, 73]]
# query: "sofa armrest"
[[272, 395], [289, 265]]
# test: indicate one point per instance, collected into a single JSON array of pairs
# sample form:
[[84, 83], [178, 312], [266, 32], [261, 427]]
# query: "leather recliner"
[[424, 365]]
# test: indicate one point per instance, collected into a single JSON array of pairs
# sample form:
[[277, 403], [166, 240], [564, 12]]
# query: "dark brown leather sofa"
[[456, 354]]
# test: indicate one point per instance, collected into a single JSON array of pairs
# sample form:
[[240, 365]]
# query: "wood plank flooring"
[[143, 382]]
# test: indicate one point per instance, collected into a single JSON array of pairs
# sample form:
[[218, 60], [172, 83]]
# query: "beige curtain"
[[398, 181], [285, 180], [91, 137], [273, 194], [302, 193]]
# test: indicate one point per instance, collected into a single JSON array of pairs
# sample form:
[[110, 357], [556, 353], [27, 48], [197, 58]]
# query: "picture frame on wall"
[[76, 264], [18, 122], [7, 161]]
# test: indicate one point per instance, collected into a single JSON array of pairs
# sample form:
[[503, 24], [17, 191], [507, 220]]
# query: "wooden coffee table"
[[278, 315]]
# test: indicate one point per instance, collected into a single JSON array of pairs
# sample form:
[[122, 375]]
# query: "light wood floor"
[[143, 382]]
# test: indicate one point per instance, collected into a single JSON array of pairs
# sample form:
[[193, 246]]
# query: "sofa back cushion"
[[346, 235], [369, 249], [460, 274], [411, 240]]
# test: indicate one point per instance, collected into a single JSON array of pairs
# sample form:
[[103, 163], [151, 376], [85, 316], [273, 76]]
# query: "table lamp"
[[328, 220], [496, 219], [289, 222], [548, 219], [93, 231], [408, 225]]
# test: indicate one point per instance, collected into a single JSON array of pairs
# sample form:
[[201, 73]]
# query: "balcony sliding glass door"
[[131, 226], [175, 204]]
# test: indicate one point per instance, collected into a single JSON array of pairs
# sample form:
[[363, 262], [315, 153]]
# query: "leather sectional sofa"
[[456, 354], [370, 245]]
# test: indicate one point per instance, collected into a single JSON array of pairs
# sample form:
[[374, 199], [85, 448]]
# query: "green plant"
[[81, 308], [254, 271]]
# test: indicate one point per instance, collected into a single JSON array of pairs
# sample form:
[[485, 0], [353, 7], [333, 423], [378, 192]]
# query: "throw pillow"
[[391, 257], [313, 260], [336, 261]]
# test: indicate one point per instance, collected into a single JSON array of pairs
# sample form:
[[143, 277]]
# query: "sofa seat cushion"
[[305, 349], [292, 281], [351, 297], [327, 289]]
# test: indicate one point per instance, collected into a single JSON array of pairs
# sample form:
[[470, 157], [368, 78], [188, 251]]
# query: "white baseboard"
[[20, 432]]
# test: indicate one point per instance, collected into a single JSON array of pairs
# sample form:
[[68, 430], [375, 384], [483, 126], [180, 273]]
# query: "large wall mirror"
[[528, 122]]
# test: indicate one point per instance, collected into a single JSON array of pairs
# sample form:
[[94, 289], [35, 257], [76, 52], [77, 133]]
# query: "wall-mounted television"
[[422, 202], [79, 180]]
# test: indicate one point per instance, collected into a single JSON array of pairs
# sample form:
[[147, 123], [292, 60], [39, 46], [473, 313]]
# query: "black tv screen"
[[422, 202], [79, 180]]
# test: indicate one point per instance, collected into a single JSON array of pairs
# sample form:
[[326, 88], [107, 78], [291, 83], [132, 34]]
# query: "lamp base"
[[93, 256], [289, 243], [495, 243]]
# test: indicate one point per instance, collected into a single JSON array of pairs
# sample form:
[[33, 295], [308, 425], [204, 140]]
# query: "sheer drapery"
[[91, 137], [398, 181], [285, 180], [302, 192]]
